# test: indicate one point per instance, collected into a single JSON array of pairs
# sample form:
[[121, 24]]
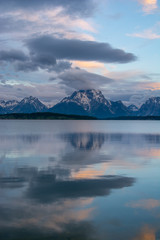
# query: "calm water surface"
[[79, 180]]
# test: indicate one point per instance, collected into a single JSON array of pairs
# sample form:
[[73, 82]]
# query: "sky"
[[50, 48]]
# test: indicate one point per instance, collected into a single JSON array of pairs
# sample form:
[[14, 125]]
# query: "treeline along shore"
[[57, 116]]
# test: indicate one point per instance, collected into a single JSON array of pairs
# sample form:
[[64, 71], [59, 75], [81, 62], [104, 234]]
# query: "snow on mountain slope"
[[90, 102], [150, 108], [29, 105]]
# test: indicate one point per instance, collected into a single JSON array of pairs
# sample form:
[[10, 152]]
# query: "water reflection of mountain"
[[26, 139], [133, 139], [85, 141], [152, 138], [94, 141]]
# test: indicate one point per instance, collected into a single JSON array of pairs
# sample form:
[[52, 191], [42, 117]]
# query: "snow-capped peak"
[[155, 100], [133, 108], [29, 99], [2, 103], [86, 98], [9, 103]]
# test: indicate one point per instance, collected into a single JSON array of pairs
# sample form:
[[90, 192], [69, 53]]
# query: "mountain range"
[[83, 102]]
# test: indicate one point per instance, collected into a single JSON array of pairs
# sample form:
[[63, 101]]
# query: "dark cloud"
[[81, 79], [77, 8], [52, 54], [40, 60], [43, 62], [72, 49], [12, 56], [27, 66], [60, 66], [11, 182], [26, 63]]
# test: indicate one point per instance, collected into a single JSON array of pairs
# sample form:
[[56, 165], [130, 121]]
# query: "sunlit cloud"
[[146, 34], [91, 66], [150, 85], [124, 75], [148, 6], [21, 23]]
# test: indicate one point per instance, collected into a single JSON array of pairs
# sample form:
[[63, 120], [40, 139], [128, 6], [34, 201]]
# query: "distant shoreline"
[[43, 116], [57, 116]]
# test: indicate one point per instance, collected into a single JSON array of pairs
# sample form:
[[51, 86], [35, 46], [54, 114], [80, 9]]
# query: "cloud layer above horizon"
[[74, 44]]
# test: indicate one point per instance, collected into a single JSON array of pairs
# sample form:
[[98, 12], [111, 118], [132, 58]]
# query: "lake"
[[79, 180]]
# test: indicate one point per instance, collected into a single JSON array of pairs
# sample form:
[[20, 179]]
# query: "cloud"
[[149, 6], [126, 75], [81, 79], [44, 91], [151, 33], [94, 66], [132, 86], [20, 24], [12, 56], [52, 54], [147, 34], [73, 49], [11, 182], [42, 62], [29, 63], [76, 7]]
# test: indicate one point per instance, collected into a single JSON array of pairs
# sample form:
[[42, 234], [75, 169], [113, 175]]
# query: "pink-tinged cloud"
[[153, 86], [148, 6], [146, 34]]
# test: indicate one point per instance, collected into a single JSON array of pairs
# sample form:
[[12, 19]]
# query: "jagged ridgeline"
[[84, 103]]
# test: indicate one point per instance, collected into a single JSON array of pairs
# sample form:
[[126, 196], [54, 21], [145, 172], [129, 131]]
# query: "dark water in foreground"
[[79, 180]]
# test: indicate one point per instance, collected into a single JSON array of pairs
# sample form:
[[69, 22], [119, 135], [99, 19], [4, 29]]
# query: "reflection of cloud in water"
[[90, 172], [56, 199], [14, 146], [51, 185], [56, 215], [83, 158], [145, 204], [147, 233], [46, 188], [71, 231]]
